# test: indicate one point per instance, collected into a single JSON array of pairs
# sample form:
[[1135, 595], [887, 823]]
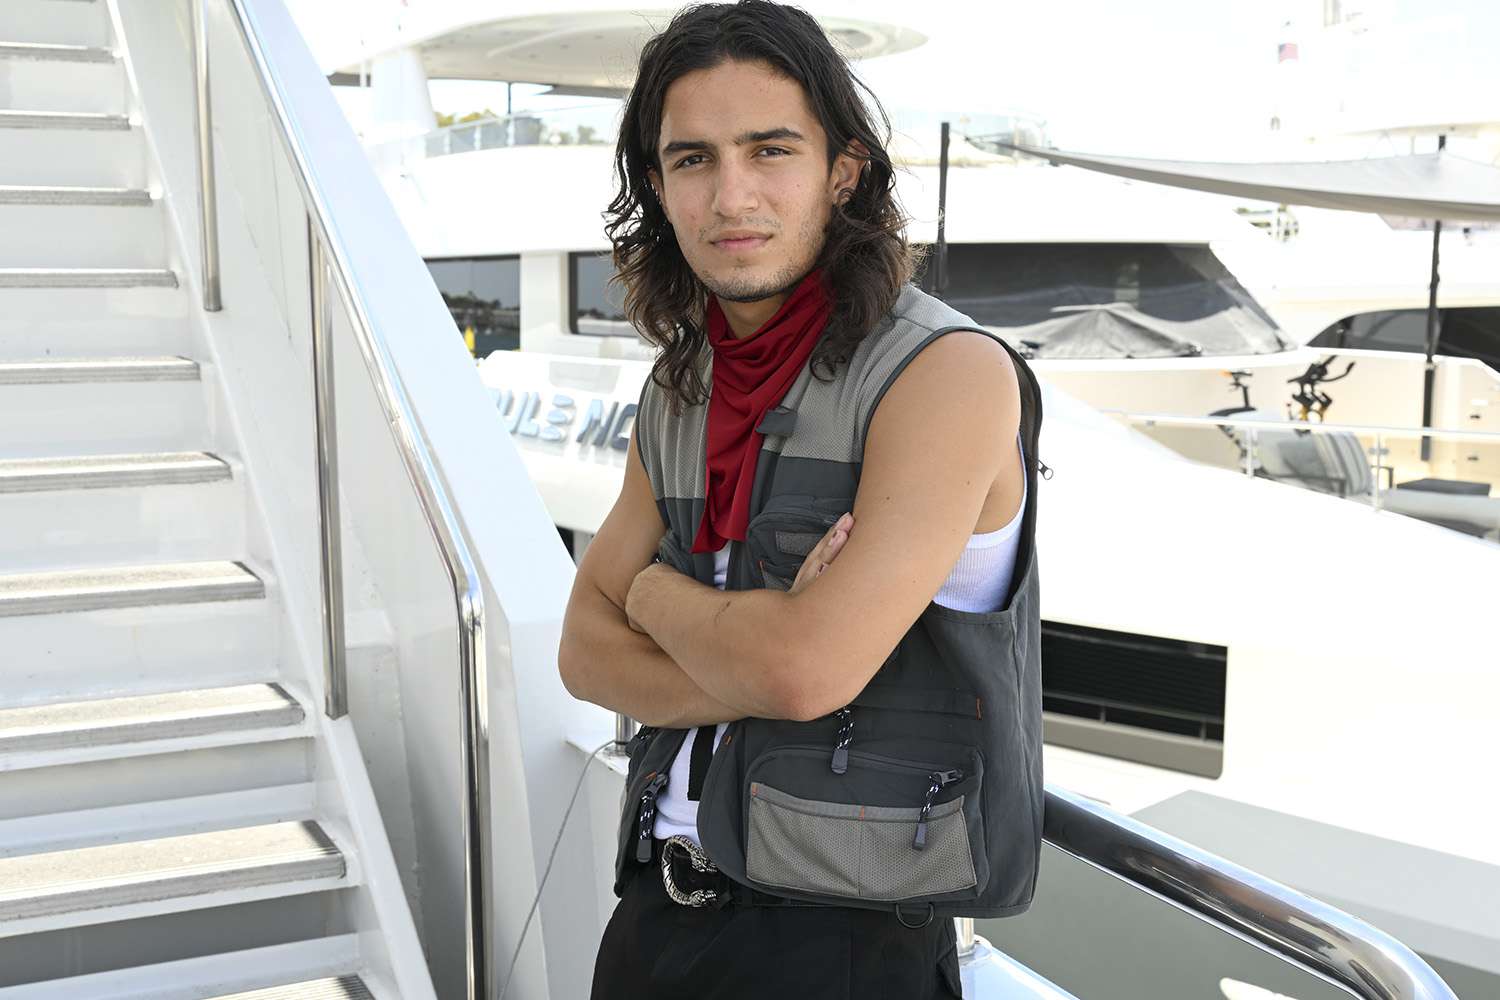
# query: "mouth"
[[740, 242]]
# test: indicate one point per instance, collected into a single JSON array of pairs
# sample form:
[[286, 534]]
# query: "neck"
[[747, 317]]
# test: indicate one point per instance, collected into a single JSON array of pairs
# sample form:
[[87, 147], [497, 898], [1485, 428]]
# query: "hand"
[[823, 554], [632, 597]]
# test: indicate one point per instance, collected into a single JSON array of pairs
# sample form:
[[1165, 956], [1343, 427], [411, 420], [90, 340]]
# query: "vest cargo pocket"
[[886, 830], [780, 537]]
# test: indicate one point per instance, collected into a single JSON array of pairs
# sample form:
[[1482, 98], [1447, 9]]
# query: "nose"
[[735, 193]]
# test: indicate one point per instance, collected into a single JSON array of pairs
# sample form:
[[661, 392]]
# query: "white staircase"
[[172, 824]]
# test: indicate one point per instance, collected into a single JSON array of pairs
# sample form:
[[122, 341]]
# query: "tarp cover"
[[1424, 186], [1109, 300]]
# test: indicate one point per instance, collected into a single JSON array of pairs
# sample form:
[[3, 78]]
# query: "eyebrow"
[[765, 135]]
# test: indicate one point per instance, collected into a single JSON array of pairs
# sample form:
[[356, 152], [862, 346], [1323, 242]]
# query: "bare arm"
[[601, 658], [919, 499]]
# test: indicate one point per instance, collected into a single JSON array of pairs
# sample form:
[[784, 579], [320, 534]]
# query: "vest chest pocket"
[[888, 829], [786, 530]]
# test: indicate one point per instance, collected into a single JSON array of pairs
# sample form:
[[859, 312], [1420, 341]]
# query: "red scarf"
[[749, 377]]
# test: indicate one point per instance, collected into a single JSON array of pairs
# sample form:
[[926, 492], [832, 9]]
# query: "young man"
[[837, 461]]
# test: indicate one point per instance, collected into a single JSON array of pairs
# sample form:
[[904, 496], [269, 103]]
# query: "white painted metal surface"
[[73, 156], [52, 372], [342, 988], [61, 78], [156, 757], [92, 120], [59, 883], [196, 978], [13, 194], [85, 277], [103, 471], [82, 22], [137, 718], [57, 591]]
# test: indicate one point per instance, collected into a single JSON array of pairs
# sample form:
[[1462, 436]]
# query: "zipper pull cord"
[[935, 782], [840, 762], [648, 816]]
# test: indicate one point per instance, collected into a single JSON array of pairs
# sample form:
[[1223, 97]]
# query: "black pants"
[[655, 949]]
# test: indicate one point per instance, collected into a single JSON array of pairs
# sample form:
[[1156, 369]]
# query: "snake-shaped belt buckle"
[[700, 862]]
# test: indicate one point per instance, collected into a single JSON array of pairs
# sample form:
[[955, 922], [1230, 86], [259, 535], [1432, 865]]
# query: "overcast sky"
[[1149, 77]]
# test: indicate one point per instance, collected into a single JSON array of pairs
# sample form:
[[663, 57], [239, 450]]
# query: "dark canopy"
[[1426, 186]]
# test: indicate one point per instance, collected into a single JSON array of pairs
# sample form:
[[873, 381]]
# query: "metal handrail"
[[1173, 419], [1321, 939], [330, 258], [208, 198]]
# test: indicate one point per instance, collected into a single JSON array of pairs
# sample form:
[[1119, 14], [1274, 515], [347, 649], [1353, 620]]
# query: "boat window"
[[1106, 299], [1465, 332], [484, 296], [596, 308]]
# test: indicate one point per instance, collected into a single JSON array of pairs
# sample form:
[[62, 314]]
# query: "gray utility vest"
[[927, 789]]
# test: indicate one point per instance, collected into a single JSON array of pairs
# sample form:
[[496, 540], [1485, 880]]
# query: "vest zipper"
[[840, 762], [936, 781], [648, 816]]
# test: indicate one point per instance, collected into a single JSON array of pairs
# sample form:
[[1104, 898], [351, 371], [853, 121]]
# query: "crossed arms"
[[705, 656]]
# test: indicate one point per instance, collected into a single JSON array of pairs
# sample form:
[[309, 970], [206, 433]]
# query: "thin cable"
[[577, 787]]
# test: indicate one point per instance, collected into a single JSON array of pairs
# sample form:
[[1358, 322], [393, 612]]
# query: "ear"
[[847, 169], [654, 179]]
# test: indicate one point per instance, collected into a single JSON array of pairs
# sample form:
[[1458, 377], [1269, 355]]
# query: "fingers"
[[831, 548], [824, 553], [834, 541]]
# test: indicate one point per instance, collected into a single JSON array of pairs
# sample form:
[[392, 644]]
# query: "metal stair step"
[[56, 591], [64, 119], [206, 976], [52, 371], [86, 277], [340, 988], [75, 22], [73, 156], [31, 475], [166, 868], [138, 718], [15, 194], [63, 53]]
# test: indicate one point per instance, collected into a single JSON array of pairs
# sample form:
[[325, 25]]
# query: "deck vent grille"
[[1137, 685]]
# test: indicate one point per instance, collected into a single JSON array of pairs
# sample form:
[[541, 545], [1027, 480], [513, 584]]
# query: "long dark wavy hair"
[[865, 256]]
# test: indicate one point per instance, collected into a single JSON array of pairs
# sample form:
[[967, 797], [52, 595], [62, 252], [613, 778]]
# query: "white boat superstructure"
[[532, 273]]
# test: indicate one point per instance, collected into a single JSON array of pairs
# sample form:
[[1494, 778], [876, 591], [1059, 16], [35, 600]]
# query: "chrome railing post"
[[963, 929], [335, 673], [208, 199], [625, 728]]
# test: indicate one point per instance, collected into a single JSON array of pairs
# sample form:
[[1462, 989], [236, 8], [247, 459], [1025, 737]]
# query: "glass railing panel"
[[592, 125]]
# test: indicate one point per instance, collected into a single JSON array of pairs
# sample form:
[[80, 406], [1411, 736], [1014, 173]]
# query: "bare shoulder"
[[964, 375]]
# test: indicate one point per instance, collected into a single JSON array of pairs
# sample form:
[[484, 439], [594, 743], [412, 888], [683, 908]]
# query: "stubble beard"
[[783, 280]]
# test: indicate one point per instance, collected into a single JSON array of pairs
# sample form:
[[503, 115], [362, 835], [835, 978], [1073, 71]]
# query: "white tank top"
[[979, 581]]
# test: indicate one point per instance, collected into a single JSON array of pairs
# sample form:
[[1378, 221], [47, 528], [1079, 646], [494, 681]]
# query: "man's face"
[[744, 178]]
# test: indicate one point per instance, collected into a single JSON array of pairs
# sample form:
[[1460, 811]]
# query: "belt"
[[687, 874], [691, 879]]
